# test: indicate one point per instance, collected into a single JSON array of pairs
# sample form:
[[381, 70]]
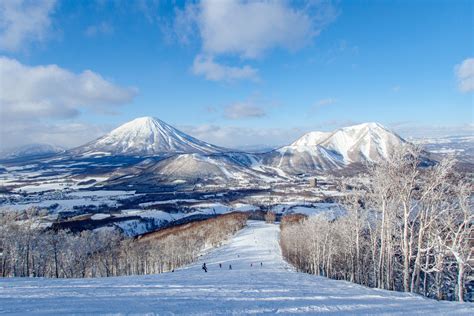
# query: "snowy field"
[[272, 288]]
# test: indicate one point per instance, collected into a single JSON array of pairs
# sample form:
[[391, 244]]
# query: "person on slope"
[[220, 265], [230, 267], [204, 267]]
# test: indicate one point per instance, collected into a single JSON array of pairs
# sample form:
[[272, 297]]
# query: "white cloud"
[[53, 92], [65, 133], [242, 110], [465, 75], [103, 28], [33, 97], [23, 21], [207, 67], [248, 29]]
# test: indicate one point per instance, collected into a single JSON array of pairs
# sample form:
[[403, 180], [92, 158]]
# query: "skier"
[[251, 264], [261, 264], [230, 267], [204, 267], [220, 265]]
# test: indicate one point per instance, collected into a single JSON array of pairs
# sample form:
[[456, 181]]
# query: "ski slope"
[[268, 289]]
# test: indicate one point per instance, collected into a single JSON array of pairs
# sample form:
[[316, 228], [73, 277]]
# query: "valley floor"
[[248, 288]]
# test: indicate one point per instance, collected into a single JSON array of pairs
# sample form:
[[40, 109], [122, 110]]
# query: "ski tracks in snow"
[[260, 282]]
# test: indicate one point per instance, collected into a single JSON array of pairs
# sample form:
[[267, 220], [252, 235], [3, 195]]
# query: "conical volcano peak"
[[147, 136]]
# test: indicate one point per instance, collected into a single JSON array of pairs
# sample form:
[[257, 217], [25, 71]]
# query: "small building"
[[313, 182]]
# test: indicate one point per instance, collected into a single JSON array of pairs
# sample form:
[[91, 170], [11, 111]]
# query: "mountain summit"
[[146, 136], [363, 143], [367, 142]]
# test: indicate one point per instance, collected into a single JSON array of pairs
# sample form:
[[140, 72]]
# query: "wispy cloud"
[[69, 133], [414, 129], [396, 88], [103, 28], [465, 75], [23, 22], [321, 104], [237, 137], [241, 110], [211, 70], [326, 102]]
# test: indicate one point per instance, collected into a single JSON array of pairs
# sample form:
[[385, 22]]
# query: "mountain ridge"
[[361, 143], [181, 156]]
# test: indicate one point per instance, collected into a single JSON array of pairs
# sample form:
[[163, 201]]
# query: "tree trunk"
[[461, 283]]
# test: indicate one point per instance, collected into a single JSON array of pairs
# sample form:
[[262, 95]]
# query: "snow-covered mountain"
[[368, 142], [146, 136], [363, 143], [31, 150], [191, 159], [196, 168]]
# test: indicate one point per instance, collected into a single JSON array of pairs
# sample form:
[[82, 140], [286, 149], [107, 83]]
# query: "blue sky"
[[234, 73]]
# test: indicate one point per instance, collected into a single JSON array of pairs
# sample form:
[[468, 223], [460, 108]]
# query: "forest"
[[31, 251], [408, 227]]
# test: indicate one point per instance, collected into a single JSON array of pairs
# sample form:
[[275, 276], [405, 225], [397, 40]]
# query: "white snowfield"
[[248, 288]]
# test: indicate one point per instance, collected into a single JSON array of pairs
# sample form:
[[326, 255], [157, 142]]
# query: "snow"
[[244, 207], [30, 150], [42, 187], [103, 193], [445, 151], [367, 142], [99, 216], [212, 208], [68, 200], [329, 209], [133, 227], [311, 139], [62, 205], [157, 215], [145, 136], [174, 201], [273, 288]]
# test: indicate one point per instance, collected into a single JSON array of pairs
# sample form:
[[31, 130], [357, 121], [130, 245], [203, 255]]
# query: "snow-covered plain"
[[272, 288]]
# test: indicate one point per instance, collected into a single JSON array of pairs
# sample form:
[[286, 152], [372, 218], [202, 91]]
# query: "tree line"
[[29, 250], [407, 227]]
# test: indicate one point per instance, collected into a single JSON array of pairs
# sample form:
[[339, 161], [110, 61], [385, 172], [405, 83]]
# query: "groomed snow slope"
[[273, 288]]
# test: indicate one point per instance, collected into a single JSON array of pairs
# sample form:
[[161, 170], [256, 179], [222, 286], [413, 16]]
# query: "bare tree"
[[270, 217], [406, 228]]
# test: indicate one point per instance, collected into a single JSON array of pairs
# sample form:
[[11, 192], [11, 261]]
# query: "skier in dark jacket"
[[230, 267], [220, 265], [204, 267]]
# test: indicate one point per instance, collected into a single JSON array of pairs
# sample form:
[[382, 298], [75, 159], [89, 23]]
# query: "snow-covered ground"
[[60, 201], [272, 288]]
